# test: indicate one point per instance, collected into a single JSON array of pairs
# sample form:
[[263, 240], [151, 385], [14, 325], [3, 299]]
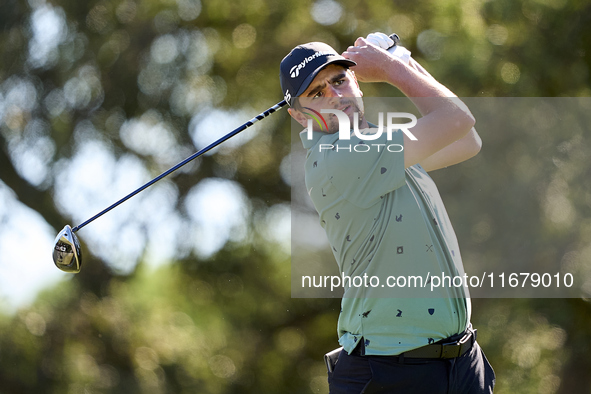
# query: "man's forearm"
[[427, 94]]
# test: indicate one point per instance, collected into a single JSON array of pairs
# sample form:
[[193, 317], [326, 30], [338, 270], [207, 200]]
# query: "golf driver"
[[66, 251]]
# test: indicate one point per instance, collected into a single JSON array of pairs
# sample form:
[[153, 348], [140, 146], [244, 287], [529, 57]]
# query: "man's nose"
[[331, 91]]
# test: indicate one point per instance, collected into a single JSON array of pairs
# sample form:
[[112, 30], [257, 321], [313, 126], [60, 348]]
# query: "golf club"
[[66, 251]]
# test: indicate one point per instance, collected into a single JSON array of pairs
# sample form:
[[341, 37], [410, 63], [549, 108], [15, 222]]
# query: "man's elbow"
[[475, 142], [467, 122], [463, 123]]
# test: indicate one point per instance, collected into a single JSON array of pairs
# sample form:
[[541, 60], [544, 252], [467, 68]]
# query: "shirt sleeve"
[[365, 170]]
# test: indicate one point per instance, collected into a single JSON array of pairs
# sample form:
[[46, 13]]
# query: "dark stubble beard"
[[332, 121]]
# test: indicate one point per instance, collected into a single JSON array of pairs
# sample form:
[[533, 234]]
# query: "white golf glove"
[[383, 41]]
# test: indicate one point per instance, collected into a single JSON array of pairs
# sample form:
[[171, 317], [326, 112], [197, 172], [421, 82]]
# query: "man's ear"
[[298, 116]]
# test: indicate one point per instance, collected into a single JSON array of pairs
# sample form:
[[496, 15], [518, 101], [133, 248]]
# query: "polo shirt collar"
[[316, 135]]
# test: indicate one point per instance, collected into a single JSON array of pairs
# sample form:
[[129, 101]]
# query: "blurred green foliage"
[[224, 322]]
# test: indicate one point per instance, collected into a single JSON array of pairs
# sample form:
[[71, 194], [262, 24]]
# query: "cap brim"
[[342, 61]]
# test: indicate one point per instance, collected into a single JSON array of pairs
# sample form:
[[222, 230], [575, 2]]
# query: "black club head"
[[66, 251]]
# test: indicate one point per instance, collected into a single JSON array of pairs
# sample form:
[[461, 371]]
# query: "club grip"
[[399, 51], [394, 37]]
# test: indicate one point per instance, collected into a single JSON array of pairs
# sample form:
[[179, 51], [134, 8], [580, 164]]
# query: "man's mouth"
[[347, 109]]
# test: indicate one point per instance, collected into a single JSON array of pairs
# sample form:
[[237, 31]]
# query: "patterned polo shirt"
[[390, 233]]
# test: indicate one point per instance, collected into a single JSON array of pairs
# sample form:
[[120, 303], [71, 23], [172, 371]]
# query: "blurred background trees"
[[187, 288]]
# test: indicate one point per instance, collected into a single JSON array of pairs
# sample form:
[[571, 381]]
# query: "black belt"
[[447, 348]]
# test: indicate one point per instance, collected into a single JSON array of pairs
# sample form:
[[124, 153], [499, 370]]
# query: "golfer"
[[384, 218]]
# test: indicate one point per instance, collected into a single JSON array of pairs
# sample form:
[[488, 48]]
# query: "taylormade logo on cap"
[[295, 70]]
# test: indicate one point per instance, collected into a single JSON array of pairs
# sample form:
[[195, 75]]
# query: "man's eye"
[[317, 95], [339, 82]]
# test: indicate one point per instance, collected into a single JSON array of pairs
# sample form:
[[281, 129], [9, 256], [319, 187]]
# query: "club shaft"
[[231, 134]]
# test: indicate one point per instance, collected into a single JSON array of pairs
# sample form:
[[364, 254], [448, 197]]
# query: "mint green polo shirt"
[[384, 221]]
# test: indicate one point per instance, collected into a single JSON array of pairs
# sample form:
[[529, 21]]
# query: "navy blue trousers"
[[468, 374]]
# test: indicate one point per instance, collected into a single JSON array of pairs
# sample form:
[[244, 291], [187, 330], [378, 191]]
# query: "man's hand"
[[385, 42], [374, 64]]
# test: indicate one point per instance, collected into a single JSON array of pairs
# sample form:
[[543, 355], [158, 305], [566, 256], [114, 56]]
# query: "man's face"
[[335, 87]]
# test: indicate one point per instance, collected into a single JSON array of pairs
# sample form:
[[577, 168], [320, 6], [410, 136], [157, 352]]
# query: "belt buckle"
[[454, 349]]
